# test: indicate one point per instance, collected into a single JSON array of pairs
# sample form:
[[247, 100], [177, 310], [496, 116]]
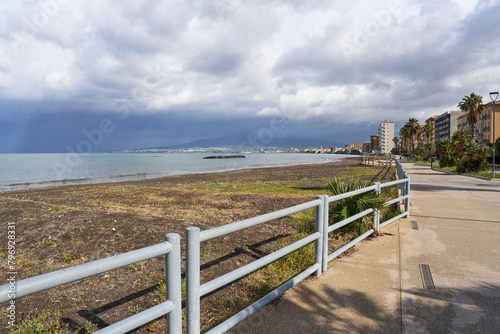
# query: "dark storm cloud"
[[189, 70]]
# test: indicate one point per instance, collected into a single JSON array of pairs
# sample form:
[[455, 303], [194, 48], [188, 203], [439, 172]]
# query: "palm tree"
[[395, 140], [458, 141], [414, 129], [405, 136], [353, 205], [473, 106], [428, 130], [447, 153]]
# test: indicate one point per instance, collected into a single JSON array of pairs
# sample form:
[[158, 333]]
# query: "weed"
[[50, 243], [29, 215], [57, 208], [44, 322], [305, 221], [161, 291], [28, 264], [136, 266], [68, 258]]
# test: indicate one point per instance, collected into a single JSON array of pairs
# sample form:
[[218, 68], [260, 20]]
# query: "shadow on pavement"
[[475, 309], [330, 311], [440, 187], [456, 218]]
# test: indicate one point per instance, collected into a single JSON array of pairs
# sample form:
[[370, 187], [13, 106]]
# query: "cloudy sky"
[[107, 75]]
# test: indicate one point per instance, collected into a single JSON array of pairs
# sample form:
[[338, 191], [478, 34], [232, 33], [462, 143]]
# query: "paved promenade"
[[379, 288]]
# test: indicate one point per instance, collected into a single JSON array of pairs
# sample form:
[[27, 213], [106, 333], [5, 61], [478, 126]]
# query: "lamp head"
[[494, 96]]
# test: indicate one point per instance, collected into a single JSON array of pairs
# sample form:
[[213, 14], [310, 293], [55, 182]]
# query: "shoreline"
[[152, 177]]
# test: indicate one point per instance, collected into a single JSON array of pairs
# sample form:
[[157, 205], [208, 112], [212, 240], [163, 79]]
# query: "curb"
[[468, 175]]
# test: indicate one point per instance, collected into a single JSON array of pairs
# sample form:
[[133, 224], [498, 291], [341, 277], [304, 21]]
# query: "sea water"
[[23, 171]]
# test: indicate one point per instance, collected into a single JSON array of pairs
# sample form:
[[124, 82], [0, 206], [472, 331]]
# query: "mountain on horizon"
[[246, 142]]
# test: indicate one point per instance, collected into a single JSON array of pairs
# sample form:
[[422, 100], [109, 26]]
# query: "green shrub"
[[348, 207]]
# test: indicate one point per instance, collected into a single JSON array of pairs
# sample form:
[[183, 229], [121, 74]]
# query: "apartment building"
[[445, 125], [386, 134], [431, 120], [484, 128], [463, 123], [367, 147]]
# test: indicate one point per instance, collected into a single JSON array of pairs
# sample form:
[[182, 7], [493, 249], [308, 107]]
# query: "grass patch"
[[57, 208], [68, 258], [435, 165], [43, 322], [259, 187]]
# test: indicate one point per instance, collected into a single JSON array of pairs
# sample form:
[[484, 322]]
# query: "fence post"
[[173, 283], [193, 280], [325, 233], [376, 214], [407, 192], [320, 224]]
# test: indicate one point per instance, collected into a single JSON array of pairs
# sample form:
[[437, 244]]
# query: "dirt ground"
[[65, 226]]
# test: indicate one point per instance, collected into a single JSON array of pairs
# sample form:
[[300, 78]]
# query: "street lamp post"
[[493, 97]]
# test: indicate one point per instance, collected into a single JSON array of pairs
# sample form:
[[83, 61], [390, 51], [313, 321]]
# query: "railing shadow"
[[457, 218], [440, 187], [315, 313], [473, 309]]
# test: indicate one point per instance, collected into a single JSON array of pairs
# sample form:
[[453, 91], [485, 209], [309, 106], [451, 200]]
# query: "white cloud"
[[348, 61]]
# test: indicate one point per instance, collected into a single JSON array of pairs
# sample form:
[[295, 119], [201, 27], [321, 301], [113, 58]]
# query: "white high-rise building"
[[386, 135]]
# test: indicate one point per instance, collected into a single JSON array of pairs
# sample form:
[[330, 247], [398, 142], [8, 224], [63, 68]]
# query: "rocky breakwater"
[[225, 157]]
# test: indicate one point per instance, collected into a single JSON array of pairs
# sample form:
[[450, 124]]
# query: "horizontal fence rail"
[[194, 237], [170, 248]]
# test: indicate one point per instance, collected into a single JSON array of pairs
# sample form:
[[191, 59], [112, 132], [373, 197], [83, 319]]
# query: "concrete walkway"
[[379, 288]]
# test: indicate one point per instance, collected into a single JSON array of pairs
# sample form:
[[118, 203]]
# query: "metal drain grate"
[[425, 273], [414, 225]]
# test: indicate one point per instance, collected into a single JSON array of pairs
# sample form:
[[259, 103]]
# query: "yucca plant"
[[348, 207]]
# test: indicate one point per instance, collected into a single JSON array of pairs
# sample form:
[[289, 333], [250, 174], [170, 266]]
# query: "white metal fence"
[[194, 291], [172, 306], [194, 236]]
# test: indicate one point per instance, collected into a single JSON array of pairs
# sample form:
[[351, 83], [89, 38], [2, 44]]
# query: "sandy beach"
[[64, 226]]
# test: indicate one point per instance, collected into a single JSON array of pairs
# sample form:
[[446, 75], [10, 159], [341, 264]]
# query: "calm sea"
[[23, 171]]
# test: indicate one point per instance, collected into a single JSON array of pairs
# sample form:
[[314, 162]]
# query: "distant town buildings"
[[386, 135], [354, 147], [445, 125]]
